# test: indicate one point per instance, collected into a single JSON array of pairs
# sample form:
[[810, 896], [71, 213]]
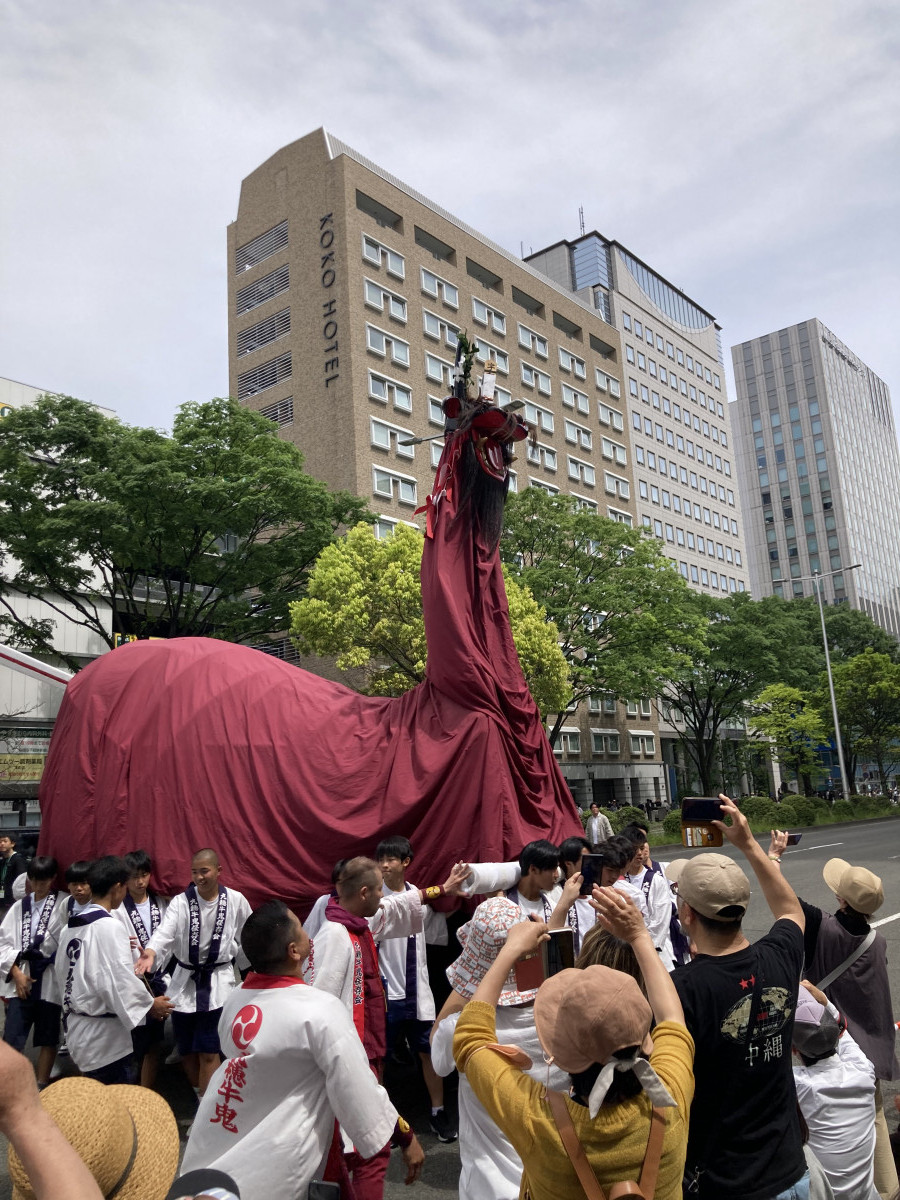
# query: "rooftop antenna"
[[581, 218]]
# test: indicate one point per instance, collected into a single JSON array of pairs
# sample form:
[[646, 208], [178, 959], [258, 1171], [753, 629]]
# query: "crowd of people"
[[674, 1056]]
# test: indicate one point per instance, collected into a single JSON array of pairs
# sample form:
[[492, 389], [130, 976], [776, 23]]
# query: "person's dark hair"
[[77, 872], [625, 1084], [615, 854], [138, 862], [593, 804], [337, 870], [540, 854], [358, 873], [9, 833], [105, 873], [720, 928], [603, 949], [634, 834], [394, 847], [42, 867], [266, 935], [570, 850], [628, 847]]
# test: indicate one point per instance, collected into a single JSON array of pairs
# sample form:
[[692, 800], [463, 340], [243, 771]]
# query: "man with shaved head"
[[202, 929], [343, 960]]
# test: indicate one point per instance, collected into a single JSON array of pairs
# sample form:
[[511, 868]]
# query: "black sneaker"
[[442, 1127]]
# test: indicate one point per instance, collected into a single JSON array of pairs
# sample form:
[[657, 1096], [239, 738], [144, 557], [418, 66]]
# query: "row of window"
[[605, 742], [676, 355], [683, 445], [673, 408], [649, 491], [677, 473], [700, 575], [675, 535]]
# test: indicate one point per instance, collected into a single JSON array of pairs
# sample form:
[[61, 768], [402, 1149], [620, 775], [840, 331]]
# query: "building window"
[[379, 255], [281, 412], [385, 344], [615, 485], [569, 742], [533, 342], [388, 391], [394, 486], [261, 247], [578, 435], [264, 289], [381, 299], [264, 376], [572, 398], [572, 363], [437, 449], [532, 377], [387, 437], [440, 289], [582, 471], [264, 332], [613, 450], [439, 329], [484, 352], [644, 743], [542, 418], [541, 455], [490, 317], [543, 485], [436, 411], [439, 370]]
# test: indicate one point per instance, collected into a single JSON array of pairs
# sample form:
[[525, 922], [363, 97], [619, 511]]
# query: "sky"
[[748, 150]]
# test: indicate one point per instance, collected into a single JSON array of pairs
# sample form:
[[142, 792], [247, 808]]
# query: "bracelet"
[[433, 893], [776, 858], [402, 1135]]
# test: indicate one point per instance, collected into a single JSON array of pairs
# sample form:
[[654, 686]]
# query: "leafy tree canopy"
[[364, 605], [625, 616], [785, 716], [210, 531], [867, 691]]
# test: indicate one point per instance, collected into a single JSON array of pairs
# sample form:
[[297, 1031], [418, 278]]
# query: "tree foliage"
[[624, 615], [785, 716], [867, 691], [364, 605], [210, 531], [748, 644]]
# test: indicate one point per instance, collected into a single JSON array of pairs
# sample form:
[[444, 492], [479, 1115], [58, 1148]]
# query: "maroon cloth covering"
[[176, 745]]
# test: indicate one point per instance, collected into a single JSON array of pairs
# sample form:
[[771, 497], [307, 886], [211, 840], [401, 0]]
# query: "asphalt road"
[[875, 845]]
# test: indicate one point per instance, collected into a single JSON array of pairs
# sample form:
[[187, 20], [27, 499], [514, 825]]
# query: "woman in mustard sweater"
[[595, 1025]]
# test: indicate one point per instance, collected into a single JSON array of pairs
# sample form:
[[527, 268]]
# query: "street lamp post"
[[817, 577]]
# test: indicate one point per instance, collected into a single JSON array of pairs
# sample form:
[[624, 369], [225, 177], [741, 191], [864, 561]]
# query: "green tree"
[[742, 652], [867, 691], [364, 605], [623, 612], [786, 717], [850, 631], [210, 531]]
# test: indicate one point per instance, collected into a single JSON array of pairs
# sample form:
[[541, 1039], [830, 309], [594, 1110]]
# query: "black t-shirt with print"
[[744, 1132]]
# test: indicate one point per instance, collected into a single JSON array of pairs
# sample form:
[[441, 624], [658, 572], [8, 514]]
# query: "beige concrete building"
[[346, 290]]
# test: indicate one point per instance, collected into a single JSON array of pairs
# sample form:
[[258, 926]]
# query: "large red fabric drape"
[[176, 745]]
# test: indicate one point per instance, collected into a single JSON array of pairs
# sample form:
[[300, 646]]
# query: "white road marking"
[[885, 920], [825, 846]]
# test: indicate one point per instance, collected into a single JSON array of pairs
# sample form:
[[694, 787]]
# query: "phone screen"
[[794, 838], [558, 953], [697, 813], [592, 872]]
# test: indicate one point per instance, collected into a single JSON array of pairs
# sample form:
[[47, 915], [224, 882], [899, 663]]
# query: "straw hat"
[[126, 1136]]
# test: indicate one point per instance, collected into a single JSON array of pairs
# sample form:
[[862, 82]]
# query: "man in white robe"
[[102, 1000], [201, 928], [295, 1064]]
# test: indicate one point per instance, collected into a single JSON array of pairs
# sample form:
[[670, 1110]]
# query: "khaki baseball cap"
[[860, 888], [713, 884]]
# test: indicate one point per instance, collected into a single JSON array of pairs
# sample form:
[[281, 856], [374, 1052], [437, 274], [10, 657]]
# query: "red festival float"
[[172, 746]]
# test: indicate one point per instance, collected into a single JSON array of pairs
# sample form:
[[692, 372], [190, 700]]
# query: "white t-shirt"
[[490, 1169], [657, 893]]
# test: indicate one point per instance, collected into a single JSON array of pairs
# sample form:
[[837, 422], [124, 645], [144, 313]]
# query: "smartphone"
[[529, 973], [794, 838], [592, 872], [697, 815], [558, 954]]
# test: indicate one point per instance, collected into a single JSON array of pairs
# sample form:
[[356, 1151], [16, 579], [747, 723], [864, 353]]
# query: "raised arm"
[[622, 918], [779, 894]]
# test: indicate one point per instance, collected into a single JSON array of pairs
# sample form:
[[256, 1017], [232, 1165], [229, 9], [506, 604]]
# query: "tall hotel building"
[[346, 290], [819, 471]]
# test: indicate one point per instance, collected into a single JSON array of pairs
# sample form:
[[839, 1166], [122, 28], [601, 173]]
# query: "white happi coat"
[[295, 1063], [392, 960], [144, 909], [173, 938], [103, 1000], [654, 887], [11, 946], [331, 958]]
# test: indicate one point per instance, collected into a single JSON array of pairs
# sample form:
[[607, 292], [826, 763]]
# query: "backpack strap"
[[653, 1155], [573, 1147], [848, 961]]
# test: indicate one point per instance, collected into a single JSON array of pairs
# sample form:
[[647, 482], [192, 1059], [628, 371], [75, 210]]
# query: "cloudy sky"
[[746, 149]]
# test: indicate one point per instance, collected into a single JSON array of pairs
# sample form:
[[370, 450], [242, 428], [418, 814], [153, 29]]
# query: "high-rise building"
[[678, 409], [819, 471]]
